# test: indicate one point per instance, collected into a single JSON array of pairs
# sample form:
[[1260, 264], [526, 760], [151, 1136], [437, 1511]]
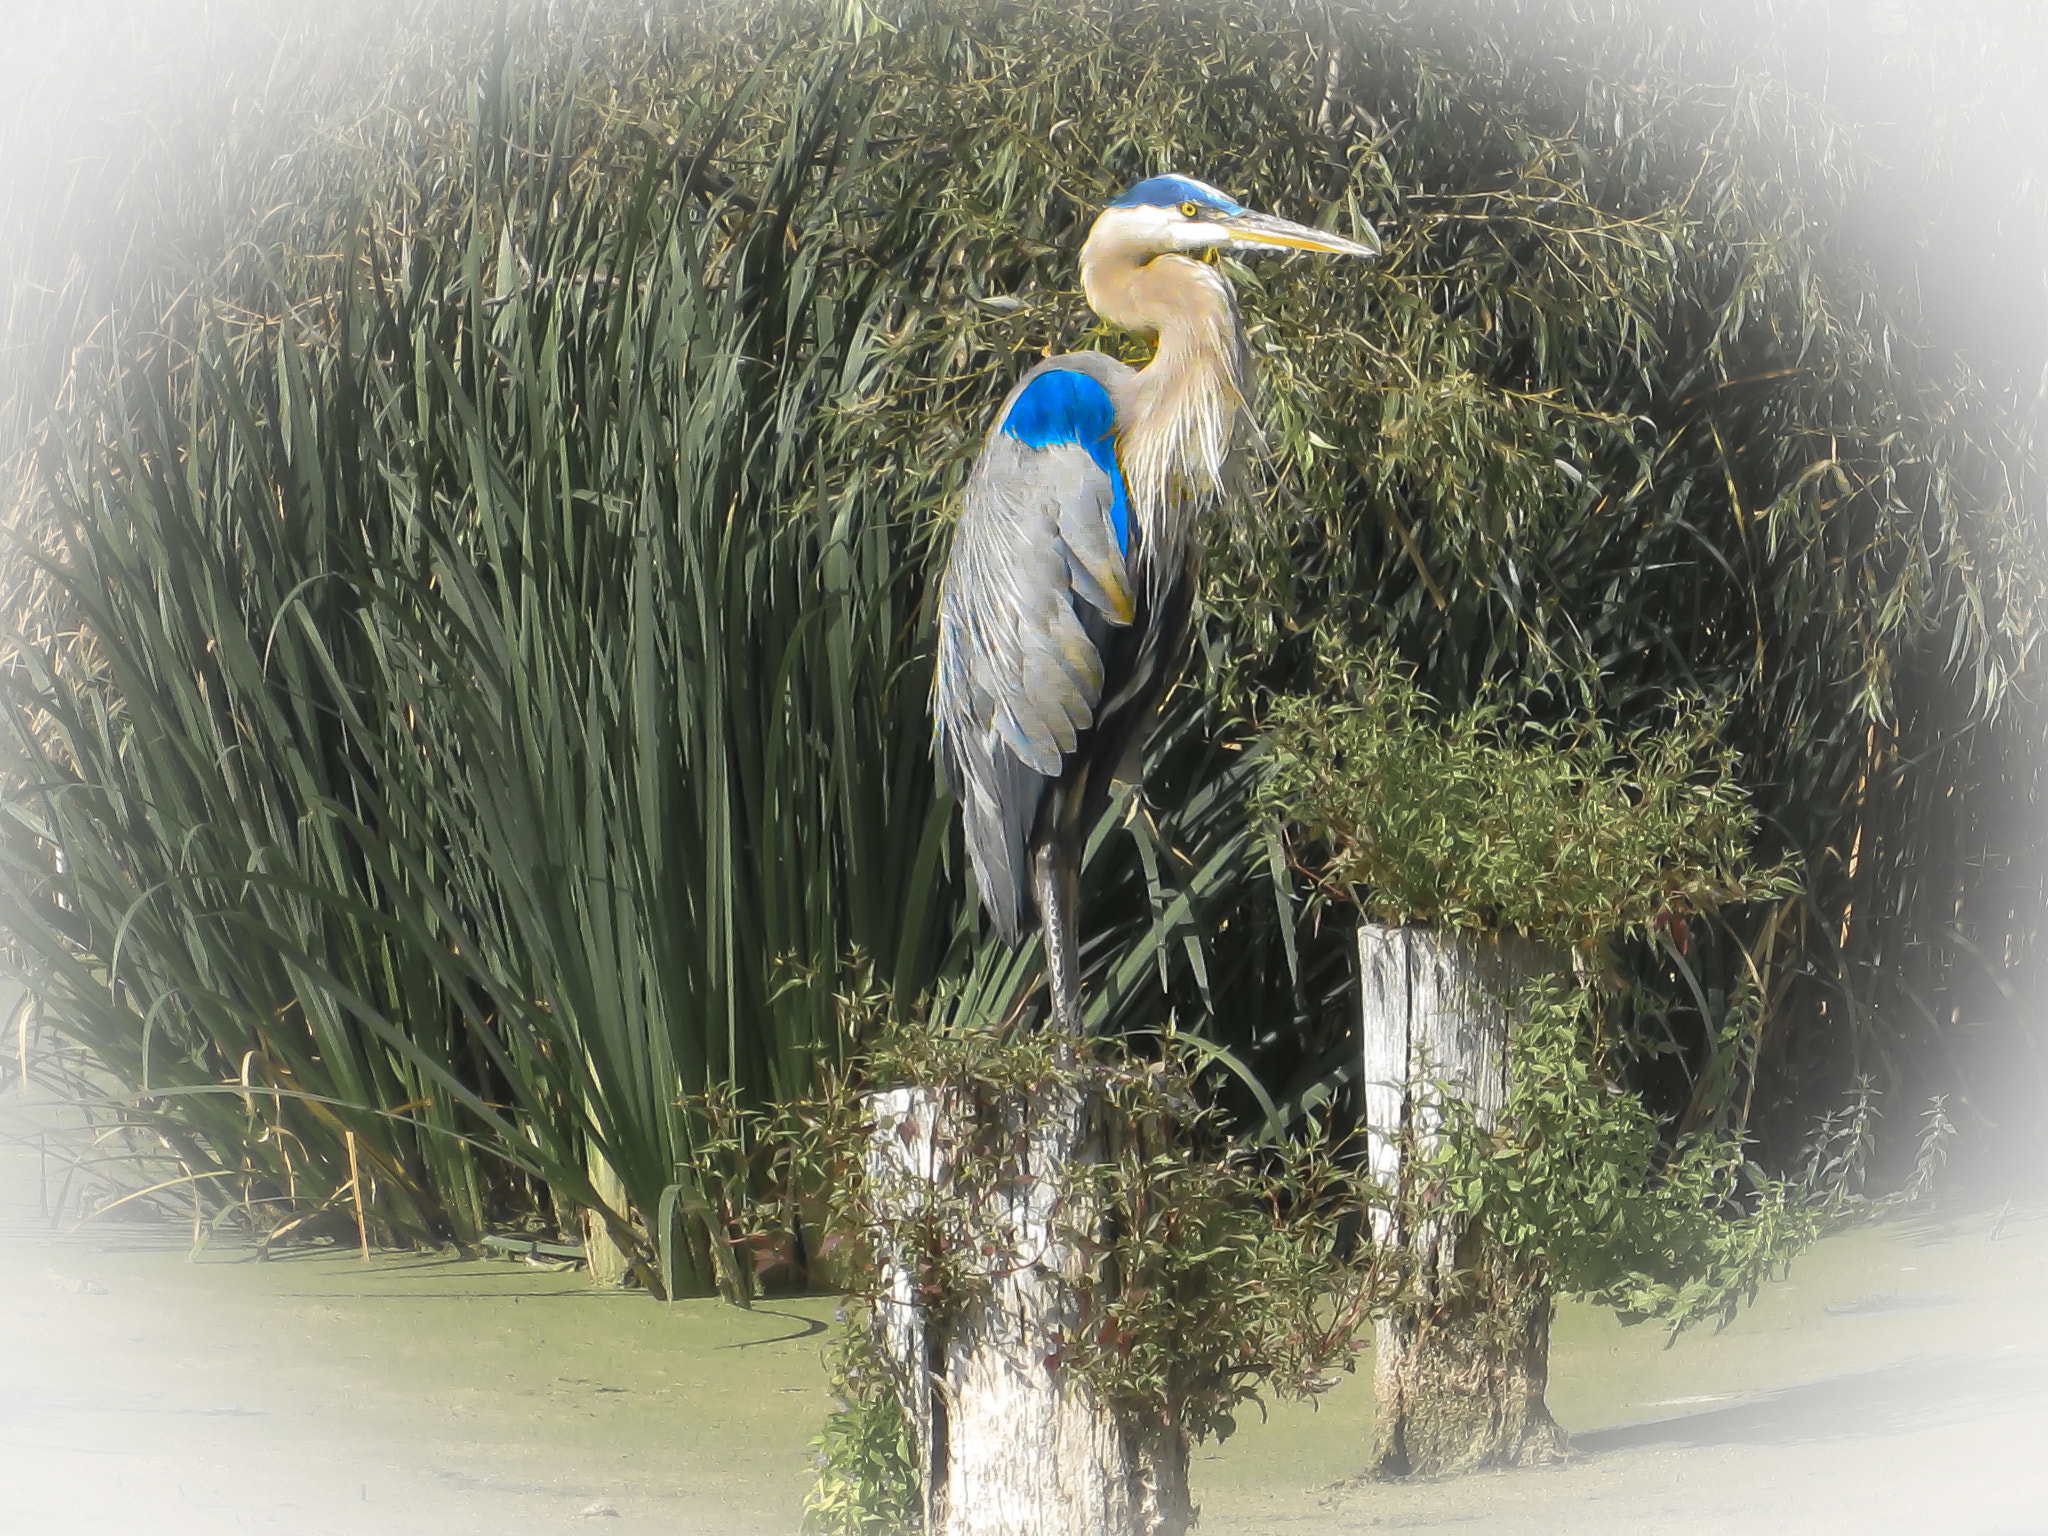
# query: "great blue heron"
[[1064, 604]]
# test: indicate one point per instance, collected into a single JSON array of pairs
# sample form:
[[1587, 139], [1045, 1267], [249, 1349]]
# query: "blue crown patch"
[[1172, 191]]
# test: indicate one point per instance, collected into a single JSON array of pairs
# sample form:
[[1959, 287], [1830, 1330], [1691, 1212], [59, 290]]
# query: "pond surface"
[[1898, 1381]]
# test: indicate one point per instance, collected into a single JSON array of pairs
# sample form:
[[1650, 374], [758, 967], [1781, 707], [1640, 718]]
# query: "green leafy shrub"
[[866, 1456], [1490, 819], [1576, 1180]]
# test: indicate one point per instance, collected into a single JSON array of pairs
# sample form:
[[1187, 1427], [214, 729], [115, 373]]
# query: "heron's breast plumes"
[[1189, 412], [1185, 415]]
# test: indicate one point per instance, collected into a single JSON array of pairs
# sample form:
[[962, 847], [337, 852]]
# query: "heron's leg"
[[1055, 884]]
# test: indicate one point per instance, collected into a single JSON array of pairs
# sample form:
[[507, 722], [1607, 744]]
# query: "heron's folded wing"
[[1016, 659], [1036, 577], [1038, 552]]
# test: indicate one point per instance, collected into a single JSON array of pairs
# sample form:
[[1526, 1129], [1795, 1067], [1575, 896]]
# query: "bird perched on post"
[[1064, 605]]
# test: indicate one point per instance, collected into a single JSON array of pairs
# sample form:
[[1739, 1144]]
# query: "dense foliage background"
[[478, 475]]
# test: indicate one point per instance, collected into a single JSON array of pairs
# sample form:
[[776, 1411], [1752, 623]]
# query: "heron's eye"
[[1191, 210]]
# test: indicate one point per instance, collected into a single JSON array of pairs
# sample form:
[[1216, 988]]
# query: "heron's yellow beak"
[[1255, 230]]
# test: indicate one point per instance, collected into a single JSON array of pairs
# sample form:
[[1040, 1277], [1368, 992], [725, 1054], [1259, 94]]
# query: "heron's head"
[[1165, 215]]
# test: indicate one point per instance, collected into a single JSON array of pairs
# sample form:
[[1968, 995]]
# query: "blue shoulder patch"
[[1065, 407], [1172, 191]]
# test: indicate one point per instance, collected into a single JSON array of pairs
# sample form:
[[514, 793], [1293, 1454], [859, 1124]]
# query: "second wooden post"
[[1460, 1369]]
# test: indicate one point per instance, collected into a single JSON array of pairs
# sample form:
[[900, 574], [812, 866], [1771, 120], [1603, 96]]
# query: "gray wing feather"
[[1033, 582]]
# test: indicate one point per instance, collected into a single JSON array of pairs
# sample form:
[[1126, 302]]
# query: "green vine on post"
[[1209, 1286], [1517, 1167], [1571, 833]]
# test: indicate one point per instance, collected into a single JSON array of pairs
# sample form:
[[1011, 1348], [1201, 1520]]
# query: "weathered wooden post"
[[984, 1228], [1460, 1371]]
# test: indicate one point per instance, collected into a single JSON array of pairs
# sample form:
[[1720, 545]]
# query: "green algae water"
[[151, 1390]]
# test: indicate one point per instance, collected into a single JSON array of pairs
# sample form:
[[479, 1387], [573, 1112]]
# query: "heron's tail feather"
[[999, 798]]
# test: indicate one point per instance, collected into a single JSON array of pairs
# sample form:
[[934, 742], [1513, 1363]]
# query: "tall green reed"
[[513, 705]]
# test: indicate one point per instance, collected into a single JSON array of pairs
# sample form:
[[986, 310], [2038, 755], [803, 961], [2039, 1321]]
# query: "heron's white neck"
[[1189, 404]]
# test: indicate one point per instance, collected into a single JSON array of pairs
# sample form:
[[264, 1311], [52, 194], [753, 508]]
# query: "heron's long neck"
[[1188, 405]]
